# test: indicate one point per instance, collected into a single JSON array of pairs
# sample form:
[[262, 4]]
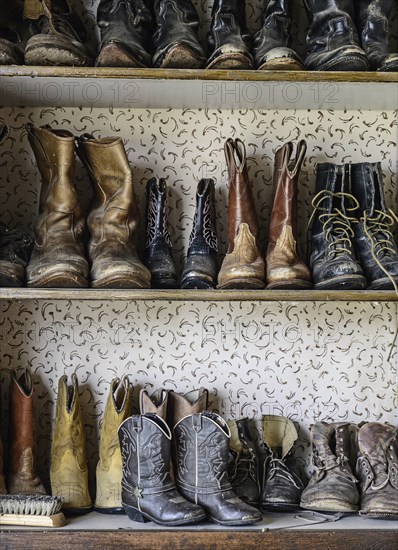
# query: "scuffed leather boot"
[[193, 402], [282, 487], [155, 403], [271, 42], [285, 269], [15, 249], [229, 40], [22, 477], [332, 40], [332, 487], [175, 39], [148, 492], [114, 216], [14, 32], [377, 470], [158, 252], [109, 468], [58, 257], [200, 269], [126, 31], [243, 265], [69, 470]]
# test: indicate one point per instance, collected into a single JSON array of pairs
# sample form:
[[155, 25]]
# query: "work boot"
[[155, 403], [228, 40], [375, 242], [377, 470], [285, 269], [22, 477], [332, 40], [158, 255], [15, 249], [333, 260], [114, 216], [109, 468], [243, 265], [175, 39], [332, 487], [282, 486], [126, 32], [271, 43], [372, 17], [58, 257], [69, 470], [148, 493], [200, 268], [14, 32], [193, 402]]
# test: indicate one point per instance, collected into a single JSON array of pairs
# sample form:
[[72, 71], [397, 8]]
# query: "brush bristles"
[[36, 505]]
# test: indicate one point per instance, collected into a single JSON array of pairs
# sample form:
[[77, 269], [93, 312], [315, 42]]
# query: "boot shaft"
[[228, 24], [193, 402], [155, 404], [279, 435], [157, 213], [379, 443], [22, 423], [203, 236], [331, 444], [367, 187]]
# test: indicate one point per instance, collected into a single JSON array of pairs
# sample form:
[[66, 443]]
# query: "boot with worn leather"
[[114, 216], [155, 403], [69, 470], [377, 470], [158, 255], [126, 31], [108, 498], [22, 478], [374, 240], [175, 39], [14, 32], [333, 260], [243, 265], [332, 40], [285, 268], [200, 268], [15, 250], [58, 257], [193, 402], [282, 486], [272, 49], [148, 493], [333, 486], [229, 41]]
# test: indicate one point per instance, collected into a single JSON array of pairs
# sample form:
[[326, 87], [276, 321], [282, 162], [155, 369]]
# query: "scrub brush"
[[31, 510]]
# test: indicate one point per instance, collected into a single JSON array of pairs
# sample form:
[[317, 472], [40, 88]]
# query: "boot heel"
[[135, 515]]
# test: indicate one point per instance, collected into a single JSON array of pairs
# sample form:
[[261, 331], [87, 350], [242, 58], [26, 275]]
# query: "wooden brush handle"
[[58, 520]]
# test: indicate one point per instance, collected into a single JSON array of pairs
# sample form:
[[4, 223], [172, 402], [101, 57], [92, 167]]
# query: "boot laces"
[[57, 24], [278, 467]]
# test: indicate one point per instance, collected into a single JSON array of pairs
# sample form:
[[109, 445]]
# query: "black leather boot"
[[373, 237], [200, 270], [333, 260], [158, 257], [126, 32], [175, 39], [14, 32], [332, 40], [271, 42], [229, 40], [15, 250]]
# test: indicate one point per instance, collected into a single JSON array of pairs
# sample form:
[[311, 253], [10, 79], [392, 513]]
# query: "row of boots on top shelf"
[[343, 36]]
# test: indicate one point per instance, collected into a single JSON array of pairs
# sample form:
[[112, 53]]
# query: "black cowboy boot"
[[14, 32], [229, 40], [271, 42]]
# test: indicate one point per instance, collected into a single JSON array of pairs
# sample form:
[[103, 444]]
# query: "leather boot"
[[114, 216], [58, 257], [14, 32], [332, 487], [202, 446], [109, 468], [229, 40], [22, 477], [60, 36], [193, 402], [15, 249], [175, 39], [372, 16], [3, 489], [285, 269], [375, 242], [282, 486], [377, 470], [158, 255], [148, 492], [243, 463], [333, 261], [332, 40], [69, 470], [200, 269], [271, 42], [155, 403], [126, 31], [243, 265]]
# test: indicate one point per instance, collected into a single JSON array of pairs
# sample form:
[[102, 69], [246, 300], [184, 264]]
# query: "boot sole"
[[242, 284], [109, 511], [10, 54], [53, 51], [237, 523], [137, 515], [379, 514], [329, 505], [182, 57], [196, 284], [121, 282], [293, 284], [113, 55], [279, 507], [77, 511], [231, 61], [282, 64], [346, 282], [164, 283], [59, 280], [345, 59], [382, 284]]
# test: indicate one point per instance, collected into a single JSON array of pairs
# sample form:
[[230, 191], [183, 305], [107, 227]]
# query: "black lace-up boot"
[[14, 32]]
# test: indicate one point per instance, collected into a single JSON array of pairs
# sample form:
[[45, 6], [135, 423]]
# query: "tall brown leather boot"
[[22, 478], [243, 265], [114, 218], [285, 269]]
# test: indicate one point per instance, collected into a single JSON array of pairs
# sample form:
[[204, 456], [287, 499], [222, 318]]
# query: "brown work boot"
[[193, 402], [155, 403], [285, 269]]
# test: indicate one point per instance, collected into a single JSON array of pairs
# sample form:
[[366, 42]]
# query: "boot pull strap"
[[235, 152], [197, 422], [137, 422], [301, 150]]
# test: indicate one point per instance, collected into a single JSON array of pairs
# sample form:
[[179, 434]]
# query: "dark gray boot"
[[14, 32]]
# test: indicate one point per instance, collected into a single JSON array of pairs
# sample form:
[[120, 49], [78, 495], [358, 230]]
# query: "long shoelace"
[[279, 468]]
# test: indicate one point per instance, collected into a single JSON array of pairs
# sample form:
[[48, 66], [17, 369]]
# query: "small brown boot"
[[193, 402], [155, 404]]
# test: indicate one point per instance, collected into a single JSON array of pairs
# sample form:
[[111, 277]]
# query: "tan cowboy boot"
[[155, 403], [193, 402]]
